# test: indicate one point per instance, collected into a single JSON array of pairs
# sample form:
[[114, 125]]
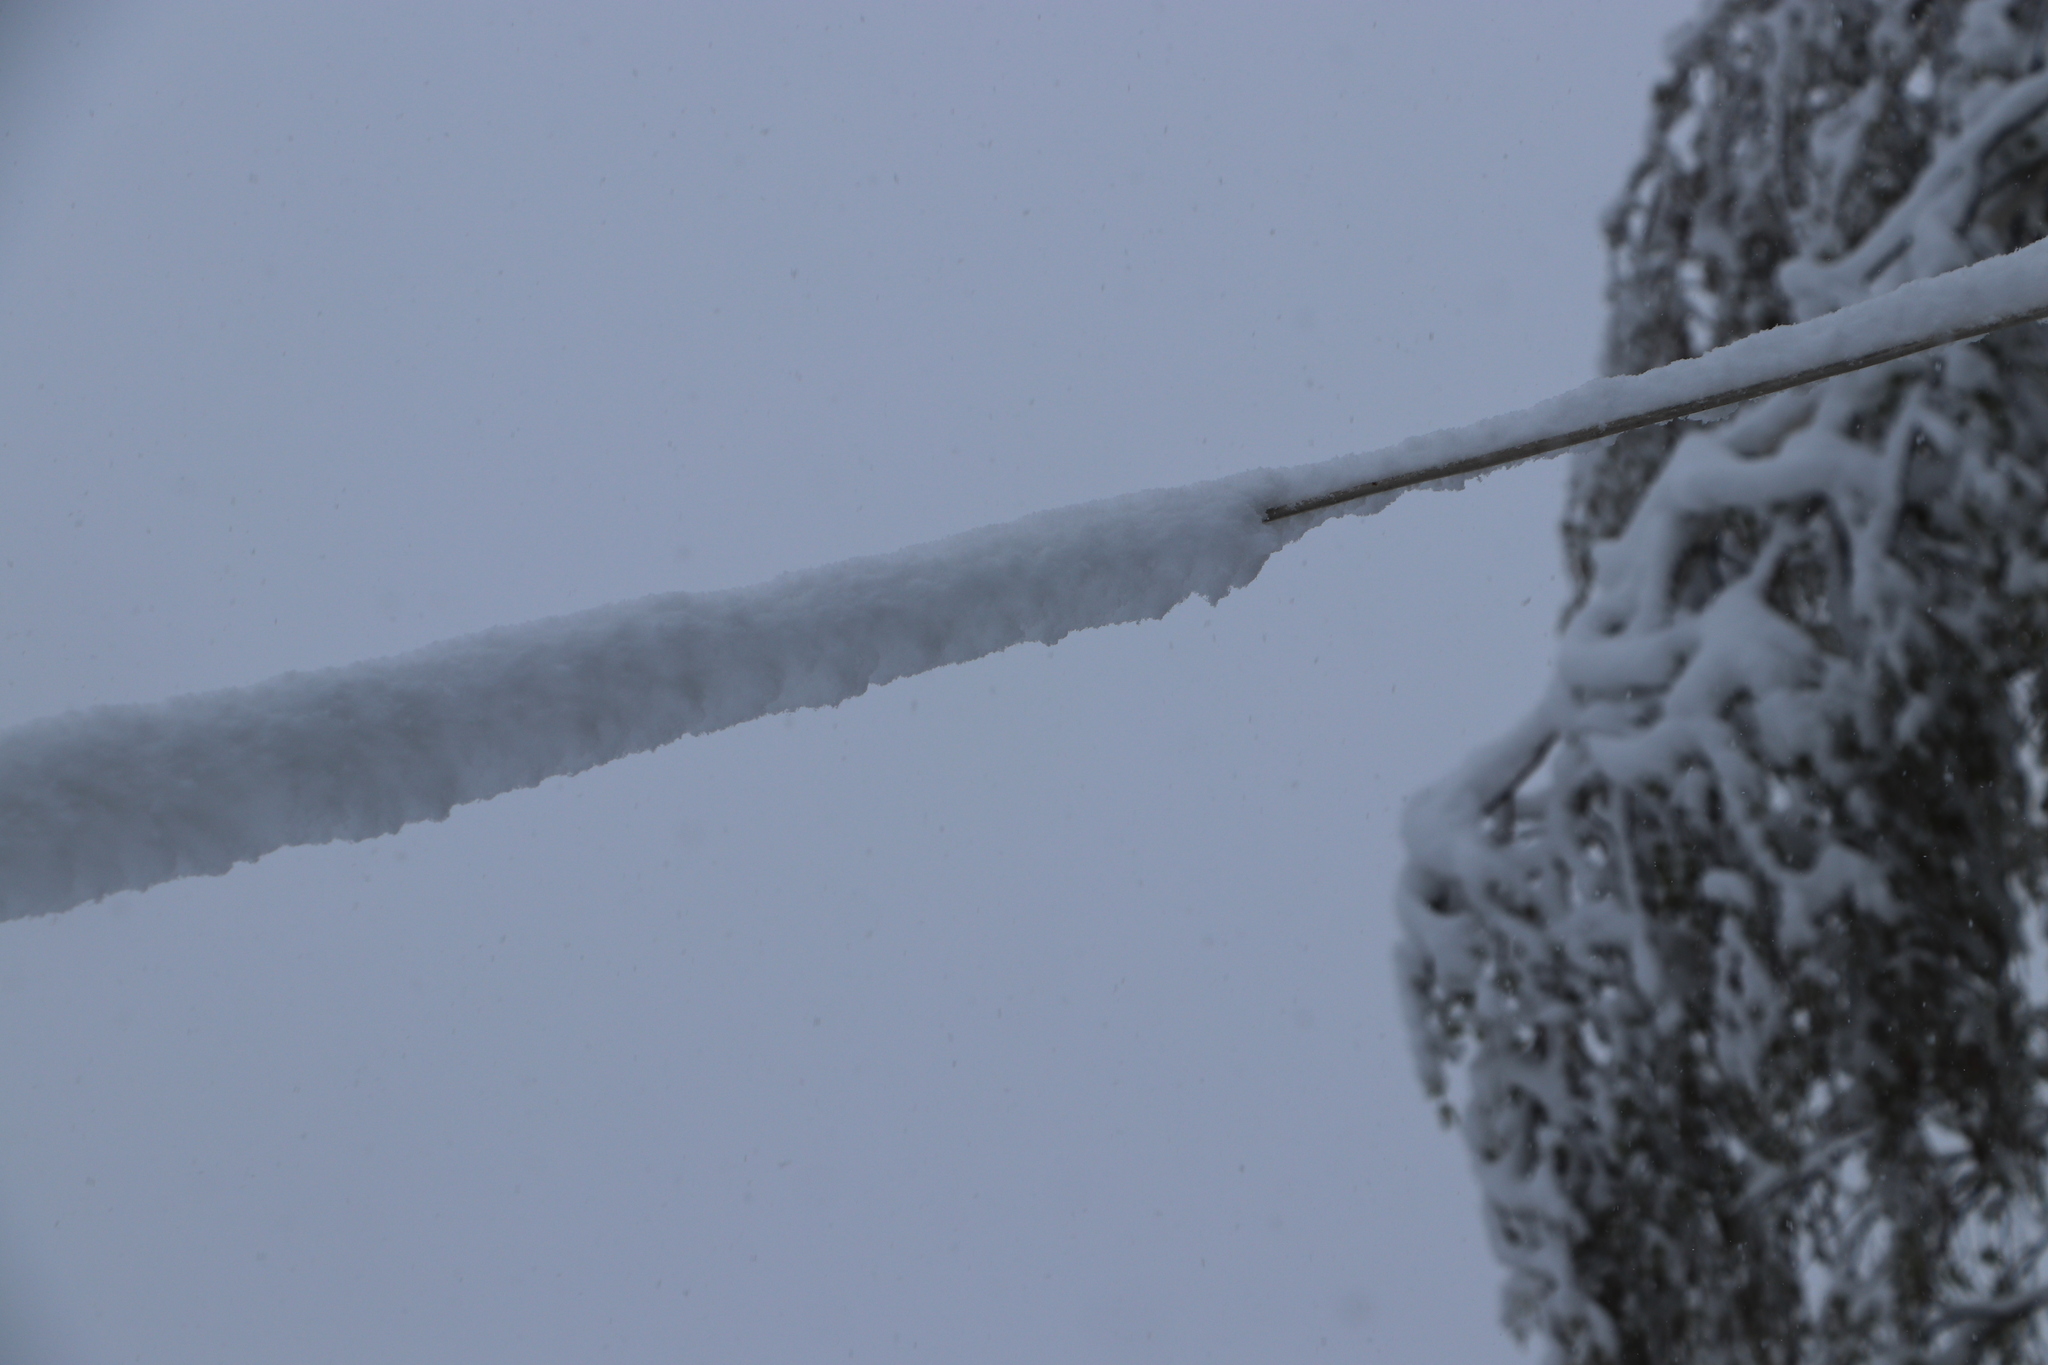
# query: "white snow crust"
[[120, 798]]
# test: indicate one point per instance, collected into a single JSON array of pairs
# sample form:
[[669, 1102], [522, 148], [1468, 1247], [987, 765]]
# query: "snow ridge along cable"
[[123, 797]]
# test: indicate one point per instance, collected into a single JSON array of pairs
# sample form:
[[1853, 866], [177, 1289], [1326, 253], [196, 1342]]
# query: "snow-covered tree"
[[1722, 958]]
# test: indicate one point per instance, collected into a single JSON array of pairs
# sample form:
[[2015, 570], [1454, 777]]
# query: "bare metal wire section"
[[1497, 456]]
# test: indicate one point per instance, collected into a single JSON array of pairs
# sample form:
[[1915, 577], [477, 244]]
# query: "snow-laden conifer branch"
[[1727, 954], [124, 797]]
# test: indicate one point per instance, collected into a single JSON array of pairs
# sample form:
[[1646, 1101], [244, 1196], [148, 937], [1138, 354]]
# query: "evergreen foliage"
[[1723, 958]]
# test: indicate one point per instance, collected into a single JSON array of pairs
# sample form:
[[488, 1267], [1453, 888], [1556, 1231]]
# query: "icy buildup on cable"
[[124, 797], [121, 798]]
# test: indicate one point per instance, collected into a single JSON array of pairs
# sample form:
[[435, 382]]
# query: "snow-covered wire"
[[124, 797]]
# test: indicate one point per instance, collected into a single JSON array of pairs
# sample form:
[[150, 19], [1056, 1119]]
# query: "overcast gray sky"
[[1035, 1009]]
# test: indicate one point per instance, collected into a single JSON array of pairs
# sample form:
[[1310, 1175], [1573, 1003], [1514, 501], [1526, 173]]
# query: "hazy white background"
[[1035, 1010]]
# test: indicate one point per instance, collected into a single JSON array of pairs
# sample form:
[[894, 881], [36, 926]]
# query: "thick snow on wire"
[[121, 798]]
